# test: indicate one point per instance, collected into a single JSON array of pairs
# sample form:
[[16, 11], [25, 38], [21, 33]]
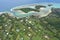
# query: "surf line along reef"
[[29, 10]]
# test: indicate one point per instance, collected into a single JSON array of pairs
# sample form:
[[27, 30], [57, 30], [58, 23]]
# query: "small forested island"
[[26, 10], [29, 10]]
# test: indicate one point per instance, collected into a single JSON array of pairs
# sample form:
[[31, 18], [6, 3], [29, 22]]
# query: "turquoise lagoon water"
[[55, 5], [17, 14]]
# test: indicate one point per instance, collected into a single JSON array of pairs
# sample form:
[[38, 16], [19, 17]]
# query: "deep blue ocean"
[[6, 5]]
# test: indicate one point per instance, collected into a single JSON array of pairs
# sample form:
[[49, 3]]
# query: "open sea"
[[6, 5]]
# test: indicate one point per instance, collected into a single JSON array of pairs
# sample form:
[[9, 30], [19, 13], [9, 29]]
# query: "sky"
[[8, 4]]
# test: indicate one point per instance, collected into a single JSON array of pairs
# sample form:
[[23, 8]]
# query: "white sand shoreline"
[[35, 13], [40, 14]]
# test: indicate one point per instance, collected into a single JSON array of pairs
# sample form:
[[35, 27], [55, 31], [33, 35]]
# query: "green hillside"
[[32, 28]]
